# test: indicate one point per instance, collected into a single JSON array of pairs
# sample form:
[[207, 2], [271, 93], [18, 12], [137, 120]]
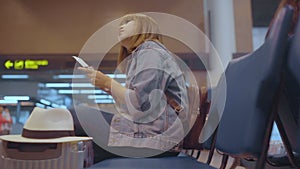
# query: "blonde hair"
[[146, 29]]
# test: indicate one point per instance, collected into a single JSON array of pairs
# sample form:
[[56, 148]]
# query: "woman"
[[154, 95]]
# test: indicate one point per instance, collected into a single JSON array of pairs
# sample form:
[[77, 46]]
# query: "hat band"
[[46, 134]]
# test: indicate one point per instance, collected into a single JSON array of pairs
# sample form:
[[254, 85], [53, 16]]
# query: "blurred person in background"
[[5, 120], [6, 126]]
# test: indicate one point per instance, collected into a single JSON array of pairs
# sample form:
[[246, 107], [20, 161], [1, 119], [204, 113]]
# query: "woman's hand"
[[98, 78], [106, 83]]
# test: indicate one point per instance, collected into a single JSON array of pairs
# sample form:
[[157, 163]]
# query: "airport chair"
[[292, 77], [293, 66], [288, 119], [253, 87]]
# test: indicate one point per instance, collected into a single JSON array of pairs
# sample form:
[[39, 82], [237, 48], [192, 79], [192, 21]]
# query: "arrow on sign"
[[8, 64]]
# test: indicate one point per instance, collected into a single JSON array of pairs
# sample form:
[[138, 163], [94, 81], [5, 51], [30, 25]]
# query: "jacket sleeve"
[[145, 100]]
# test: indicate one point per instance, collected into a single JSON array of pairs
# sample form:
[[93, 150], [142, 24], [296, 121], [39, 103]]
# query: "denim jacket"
[[146, 120]]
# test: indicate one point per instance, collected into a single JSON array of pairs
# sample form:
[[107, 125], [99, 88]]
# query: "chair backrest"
[[289, 108], [292, 79], [252, 82]]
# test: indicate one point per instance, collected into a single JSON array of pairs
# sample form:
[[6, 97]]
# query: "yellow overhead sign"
[[25, 64]]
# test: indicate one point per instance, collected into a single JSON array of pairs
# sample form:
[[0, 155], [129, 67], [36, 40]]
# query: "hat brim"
[[20, 139]]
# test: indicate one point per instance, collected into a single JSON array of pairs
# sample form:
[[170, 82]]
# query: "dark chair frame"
[[275, 46]]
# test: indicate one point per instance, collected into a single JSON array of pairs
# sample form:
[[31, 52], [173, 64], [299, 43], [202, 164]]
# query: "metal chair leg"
[[224, 161], [212, 148], [286, 142]]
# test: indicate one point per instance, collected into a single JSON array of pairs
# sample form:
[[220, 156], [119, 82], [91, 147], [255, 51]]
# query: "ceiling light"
[[82, 85], [57, 84], [14, 76], [81, 92], [99, 97], [69, 76], [106, 101], [117, 76], [46, 102], [39, 105], [69, 91], [16, 98], [8, 101]]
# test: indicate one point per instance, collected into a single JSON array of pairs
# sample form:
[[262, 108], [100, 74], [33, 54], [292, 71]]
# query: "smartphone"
[[81, 62]]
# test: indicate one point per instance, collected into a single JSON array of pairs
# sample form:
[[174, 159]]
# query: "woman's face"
[[127, 30]]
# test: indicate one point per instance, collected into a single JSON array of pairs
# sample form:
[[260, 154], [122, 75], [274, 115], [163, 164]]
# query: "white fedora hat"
[[47, 126]]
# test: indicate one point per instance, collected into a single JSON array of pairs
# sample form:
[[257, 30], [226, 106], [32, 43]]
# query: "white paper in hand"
[[81, 62]]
